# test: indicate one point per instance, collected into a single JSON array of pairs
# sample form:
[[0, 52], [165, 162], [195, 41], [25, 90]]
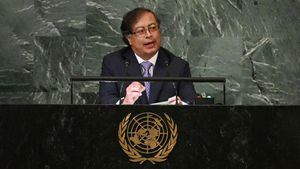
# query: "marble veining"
[[254, 44]]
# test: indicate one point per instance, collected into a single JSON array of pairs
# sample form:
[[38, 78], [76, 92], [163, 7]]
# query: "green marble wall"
[[253, 43]]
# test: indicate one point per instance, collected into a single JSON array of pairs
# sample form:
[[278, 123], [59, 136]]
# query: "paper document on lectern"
[[161, 103]]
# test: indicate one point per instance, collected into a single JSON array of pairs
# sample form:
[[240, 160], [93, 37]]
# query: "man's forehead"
[[141, 21]]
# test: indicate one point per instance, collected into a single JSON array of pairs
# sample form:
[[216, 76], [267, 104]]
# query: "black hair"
[[131, 18]]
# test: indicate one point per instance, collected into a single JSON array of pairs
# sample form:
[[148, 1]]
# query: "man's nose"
[[148, 33]]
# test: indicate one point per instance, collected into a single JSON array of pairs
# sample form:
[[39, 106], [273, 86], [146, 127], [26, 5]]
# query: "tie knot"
[[146, 65]]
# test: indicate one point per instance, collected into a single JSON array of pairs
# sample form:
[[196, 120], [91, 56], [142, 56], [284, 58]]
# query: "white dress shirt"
[[151, 60]]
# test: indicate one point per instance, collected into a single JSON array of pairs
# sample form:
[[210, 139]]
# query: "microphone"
[[173, 83], [122, 84]]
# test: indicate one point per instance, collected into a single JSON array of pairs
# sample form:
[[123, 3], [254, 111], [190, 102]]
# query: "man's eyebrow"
[[145, 26]]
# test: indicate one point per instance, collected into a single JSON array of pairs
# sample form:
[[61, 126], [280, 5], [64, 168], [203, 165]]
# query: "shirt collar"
[[152, 59]]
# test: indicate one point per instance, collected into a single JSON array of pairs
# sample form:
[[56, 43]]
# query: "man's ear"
[[128, 37]]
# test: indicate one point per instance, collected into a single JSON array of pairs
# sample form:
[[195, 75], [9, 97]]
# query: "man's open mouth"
[[149, 44]]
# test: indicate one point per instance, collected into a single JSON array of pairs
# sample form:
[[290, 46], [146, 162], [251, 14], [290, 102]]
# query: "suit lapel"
[[160, 70], [133, 67]]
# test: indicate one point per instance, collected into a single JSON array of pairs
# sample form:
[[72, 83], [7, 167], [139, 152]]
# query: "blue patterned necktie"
[[146, 65]]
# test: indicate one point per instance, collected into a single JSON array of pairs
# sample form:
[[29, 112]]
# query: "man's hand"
[[172, 100], [133, 92]]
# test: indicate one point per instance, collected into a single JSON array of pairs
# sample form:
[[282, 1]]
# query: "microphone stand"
[[176, 92], [122, 84], [173, 83]]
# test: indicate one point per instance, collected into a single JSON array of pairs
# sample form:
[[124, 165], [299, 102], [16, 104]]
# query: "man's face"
[[145, 39]]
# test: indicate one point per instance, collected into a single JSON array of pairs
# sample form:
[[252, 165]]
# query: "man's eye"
[[152, 28], [139, 31]]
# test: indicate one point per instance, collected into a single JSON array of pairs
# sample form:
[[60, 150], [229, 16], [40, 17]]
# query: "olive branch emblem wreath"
[[136, 156]]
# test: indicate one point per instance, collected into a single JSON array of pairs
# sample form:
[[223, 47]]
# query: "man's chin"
[[151, 53], [151, 50], [147, 53]]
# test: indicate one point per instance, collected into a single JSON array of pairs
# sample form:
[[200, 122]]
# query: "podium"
[[86, 136], [114, 79]]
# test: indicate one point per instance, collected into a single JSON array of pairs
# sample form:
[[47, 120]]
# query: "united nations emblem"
[[147, 137]]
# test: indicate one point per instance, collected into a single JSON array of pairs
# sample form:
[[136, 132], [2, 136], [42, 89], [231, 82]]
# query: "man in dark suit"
[[144, 57]]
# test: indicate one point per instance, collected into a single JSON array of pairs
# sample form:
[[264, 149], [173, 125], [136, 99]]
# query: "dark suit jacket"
[[167, 65]]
